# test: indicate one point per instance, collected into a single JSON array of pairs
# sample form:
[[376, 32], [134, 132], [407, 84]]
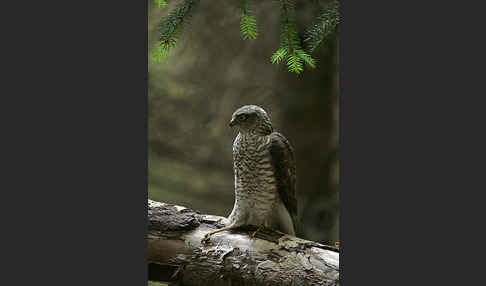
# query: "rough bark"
[[176, 254]]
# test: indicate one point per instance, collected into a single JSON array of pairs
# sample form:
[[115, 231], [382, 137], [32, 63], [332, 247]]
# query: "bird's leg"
[[207, 236], [262, 227], [252, 236]]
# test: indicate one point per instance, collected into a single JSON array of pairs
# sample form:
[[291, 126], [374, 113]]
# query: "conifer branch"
[[287, 9], [325, 24], [290, 47], [248, 24], [171, 28]]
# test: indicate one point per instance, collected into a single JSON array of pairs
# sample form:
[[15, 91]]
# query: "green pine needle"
[[294, 64], [159, 54], [160, 3], [161, 51], [306, 58], [279, 55], [248, 27]]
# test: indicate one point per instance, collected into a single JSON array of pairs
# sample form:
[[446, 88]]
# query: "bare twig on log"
[[175, 253]]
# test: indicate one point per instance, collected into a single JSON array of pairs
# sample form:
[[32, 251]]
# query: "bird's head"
[[251, 118]]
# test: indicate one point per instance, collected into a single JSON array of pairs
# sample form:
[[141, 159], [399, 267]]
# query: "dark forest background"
[[213, 71]]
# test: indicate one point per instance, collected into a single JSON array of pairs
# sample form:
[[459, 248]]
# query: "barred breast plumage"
[[255, 186]]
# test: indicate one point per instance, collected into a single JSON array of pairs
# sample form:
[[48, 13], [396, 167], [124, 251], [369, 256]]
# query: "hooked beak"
[[232, 122]]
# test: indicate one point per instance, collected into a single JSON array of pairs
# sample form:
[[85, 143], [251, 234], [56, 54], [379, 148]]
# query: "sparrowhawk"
[[264, 174]]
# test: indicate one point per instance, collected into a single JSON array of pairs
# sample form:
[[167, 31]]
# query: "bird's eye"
[[243, 117]]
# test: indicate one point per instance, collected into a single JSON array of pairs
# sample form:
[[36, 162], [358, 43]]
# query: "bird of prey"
[[264, 173]]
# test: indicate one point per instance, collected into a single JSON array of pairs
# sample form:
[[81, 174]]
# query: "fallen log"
[[176, 254]]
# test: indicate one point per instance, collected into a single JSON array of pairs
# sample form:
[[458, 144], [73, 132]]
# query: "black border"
[[75, 182]]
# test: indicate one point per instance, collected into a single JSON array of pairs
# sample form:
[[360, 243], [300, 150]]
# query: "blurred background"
[[211, 73]]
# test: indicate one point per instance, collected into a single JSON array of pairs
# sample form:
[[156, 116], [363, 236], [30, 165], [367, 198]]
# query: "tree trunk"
[[176, 254]]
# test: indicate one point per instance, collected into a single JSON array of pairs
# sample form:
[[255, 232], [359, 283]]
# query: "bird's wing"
[[283, 162]]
